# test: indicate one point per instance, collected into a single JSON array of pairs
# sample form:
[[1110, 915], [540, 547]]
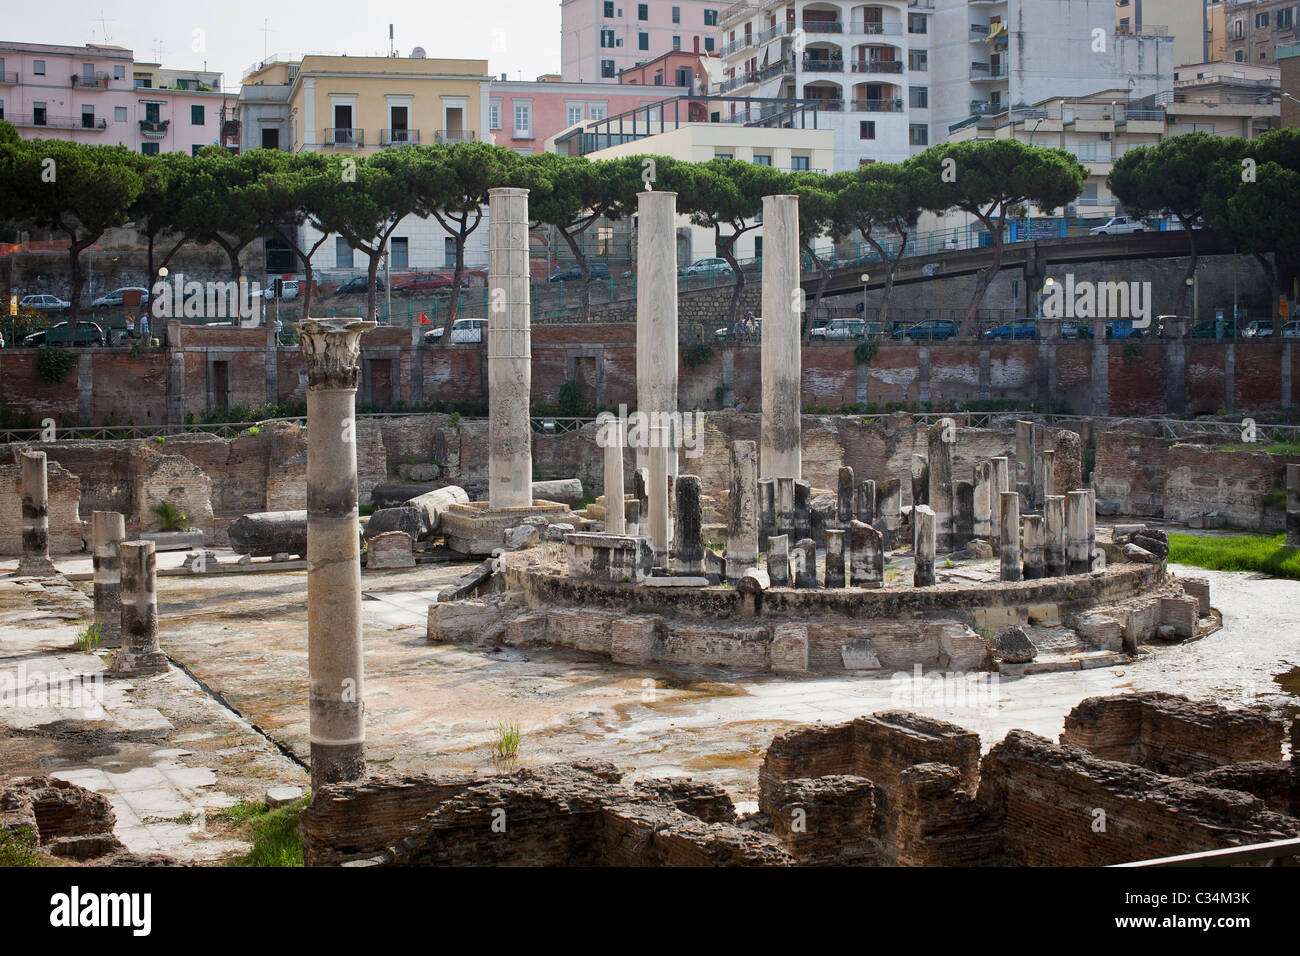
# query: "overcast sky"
[[518, 37]]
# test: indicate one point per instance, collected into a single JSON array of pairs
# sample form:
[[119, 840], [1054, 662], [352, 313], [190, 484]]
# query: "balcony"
[[876, 29], [823, 26], [981, 72], [877, 66], [154, 129], [399, 137], [348, 137], [876, 106], [812, 64], [8, 78], [99, 81], [738, 44], [46, 121], [468, 135]]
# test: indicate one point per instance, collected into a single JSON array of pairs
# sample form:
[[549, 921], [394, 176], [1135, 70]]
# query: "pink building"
[[600, 38], [689, 70], [523, 116], [99, 94]]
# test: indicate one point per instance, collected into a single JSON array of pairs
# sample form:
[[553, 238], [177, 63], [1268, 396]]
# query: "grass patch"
[[18, 848], [1268, 556], [273, 831], [506, 744], [1277, 448], [88, 638]]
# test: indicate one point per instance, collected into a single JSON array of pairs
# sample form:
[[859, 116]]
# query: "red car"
[[422, 283]]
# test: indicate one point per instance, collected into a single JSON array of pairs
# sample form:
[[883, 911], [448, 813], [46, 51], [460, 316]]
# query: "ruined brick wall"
[[1274, 783], [129, 389], [67, 531], [1257, 374], [1129, 471], [1137, 375], [1200, 479], [24, 391], [176, 481], [1205, 377], [1061, 806], [939, 822], [1170, 734]]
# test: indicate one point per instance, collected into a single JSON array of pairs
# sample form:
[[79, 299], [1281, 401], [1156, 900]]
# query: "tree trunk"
[[232, 253], [739, 282], [576, 248], [1191, 270], [1275, 289], [458, 276], [371, 272], [986, 276]]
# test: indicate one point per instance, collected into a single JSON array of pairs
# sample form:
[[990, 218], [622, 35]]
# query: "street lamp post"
[[865, 277]]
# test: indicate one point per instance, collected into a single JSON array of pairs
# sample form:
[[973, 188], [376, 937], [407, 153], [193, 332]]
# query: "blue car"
[[929, 330], [1016, 329]]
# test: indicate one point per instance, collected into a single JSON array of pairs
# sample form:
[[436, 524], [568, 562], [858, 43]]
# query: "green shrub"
[[865, 352], [506, 744], [697, 354], [18, 847], [171, 518], [54, 362]]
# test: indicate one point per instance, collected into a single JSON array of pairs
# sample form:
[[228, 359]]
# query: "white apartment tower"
[[866, 66]]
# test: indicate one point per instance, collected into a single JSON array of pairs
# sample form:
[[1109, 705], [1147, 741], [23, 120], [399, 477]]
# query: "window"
[[677, 14], [494, 116], [1261, 21], [87, 116], [270, 139], [400, 257], [88, 73], [523, 121], [149, 149], [38, 114], [119, 114], [152, 112], [607, 39], [38, 67], [449, 252], [710, 18], [399, 122], [573, 115], [2, 109], [196, 115], [609, 9], [867, 129], [1241, 56], [762, 159], [677, 43], [643, 41], [799, 163], [342, 253], [119, 72], [596, 111], [194, 150], [918, 134], [708, 44], [1285, 18], [917, 23], [643, 11], [918, 60], [1238, 29], [606, 68], [723, 156], [919, 97]]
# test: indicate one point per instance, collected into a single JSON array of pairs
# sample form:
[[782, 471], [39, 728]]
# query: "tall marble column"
[[1001, 484], [332, 348], [866, 503], [1044, 476], [35, 559], [615, 522], [688, 540], [985, 483], [139, 654], [1034, 556], [889, 499], [509, 358], [656, 311], [742, 510], [1054, 535], [1078, 550], [107, 532], [1009, 518], [657, 492], [782, 361], [835, 557], [940, 482]]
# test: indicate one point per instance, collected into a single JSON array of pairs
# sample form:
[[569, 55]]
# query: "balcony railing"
[[772, 32], [823, 26], [813, 64], [98, 80], [462, 135], [154, 129], [8, 78], [877, 29], [348, 136], [739, 44], [877, 106], [985, 71], [53, 122], [398, 137], [877, 66]]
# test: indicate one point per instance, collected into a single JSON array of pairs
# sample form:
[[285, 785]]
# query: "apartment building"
[[988, 56], [866, 65], [1288, 64], [601, 38], [697, 72], [1253, 29], [99, 94], [1187, 21], [1226, 99]]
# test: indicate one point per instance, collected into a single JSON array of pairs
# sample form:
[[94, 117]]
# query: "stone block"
[[632, 639], [1198, 588], [1101, 631], [392, 549], [1181, 613], [790, 649], [860, 655]]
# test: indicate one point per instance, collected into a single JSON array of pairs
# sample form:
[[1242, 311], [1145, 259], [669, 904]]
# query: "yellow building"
[[359, 103]]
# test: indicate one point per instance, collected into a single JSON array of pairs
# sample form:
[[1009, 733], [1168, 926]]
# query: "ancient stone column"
[[107, 532], [688, 540], [923, 546], [1022, 480], [785, 505], [332, 348], [767, 510], [632, 517], [920, 480], [941, 442], [509, 358], [1054, 535], [1009, 520], [835, 557], [802, 526], [866, 503], [1001, 483], [1293, 506], [782, 361], [778, 560], [35, 559], [963, 514], [804, 559], [139, 654], [1091, 535], [742, 510], [889, 499], [844, 492], [615, 518], [656, 310], [1078, 553], [1034, 556], [866, 556], [1044, 476], [983, 500], [641, 485], [657, 492]]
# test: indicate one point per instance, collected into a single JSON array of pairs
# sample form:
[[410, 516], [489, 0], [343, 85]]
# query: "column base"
[[337, 763], [129, 663], [36, 566]]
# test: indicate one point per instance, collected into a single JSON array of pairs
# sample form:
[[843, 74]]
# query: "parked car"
[[1123, 329], [742, 331], [707, 267], [1072, 329], [929, 330], [422, 283], [1118, 226], [1291, 330], [1258, 329], [1209, 329], [117, 297], [467, 331], [88, 335], [841, 329], [43, 303], [597, 270], [288, 290], [932, 268], [358, 285], [1015, 329]]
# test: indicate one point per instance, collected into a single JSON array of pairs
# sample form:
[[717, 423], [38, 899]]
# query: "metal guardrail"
[[1269, 854]]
